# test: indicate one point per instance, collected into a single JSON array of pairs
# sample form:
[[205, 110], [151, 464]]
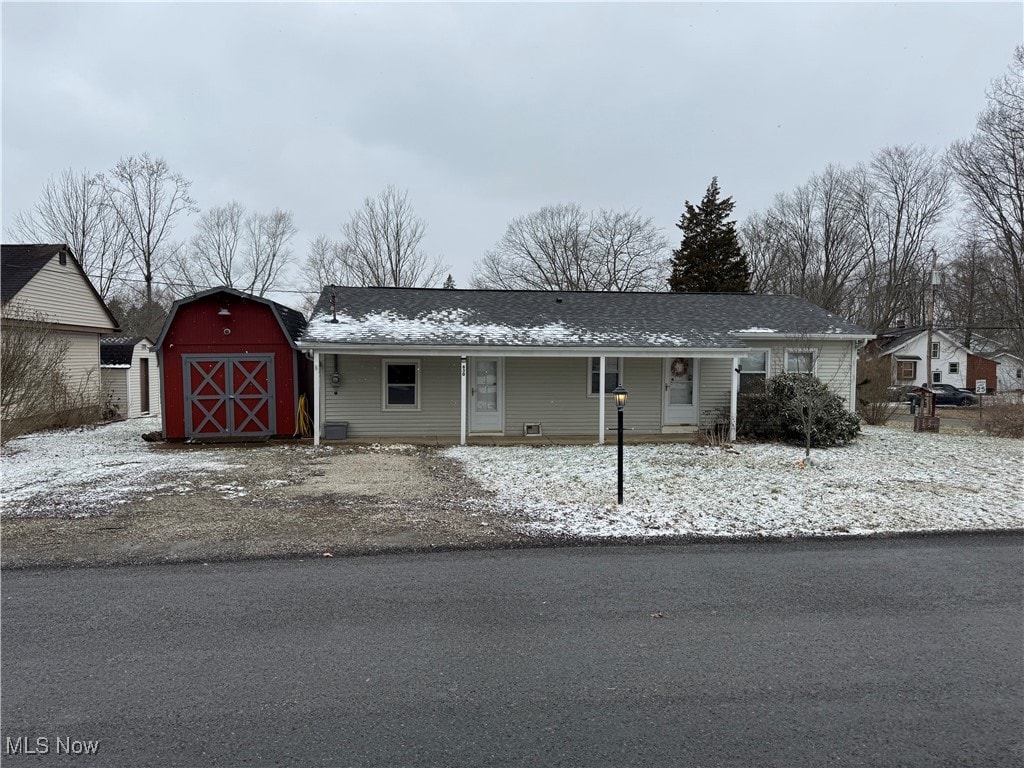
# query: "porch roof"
[[534, 321]]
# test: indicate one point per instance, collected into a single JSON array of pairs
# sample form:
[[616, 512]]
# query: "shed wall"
[[198, 329]]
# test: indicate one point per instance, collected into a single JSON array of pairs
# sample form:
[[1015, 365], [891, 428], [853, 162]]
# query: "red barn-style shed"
[[230, 368]]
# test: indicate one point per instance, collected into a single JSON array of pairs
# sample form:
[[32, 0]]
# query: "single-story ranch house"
[[417, 361]]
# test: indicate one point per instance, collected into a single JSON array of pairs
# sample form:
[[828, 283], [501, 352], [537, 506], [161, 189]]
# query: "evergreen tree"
[[709, 259], [449, 284]]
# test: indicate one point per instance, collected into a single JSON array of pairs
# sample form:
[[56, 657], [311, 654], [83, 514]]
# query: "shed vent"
[[532, 430]]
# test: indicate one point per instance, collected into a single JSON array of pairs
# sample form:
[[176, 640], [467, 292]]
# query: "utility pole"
[[931, 319]]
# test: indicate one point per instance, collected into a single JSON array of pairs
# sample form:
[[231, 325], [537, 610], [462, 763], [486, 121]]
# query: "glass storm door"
[[680, 405], [486, 396]]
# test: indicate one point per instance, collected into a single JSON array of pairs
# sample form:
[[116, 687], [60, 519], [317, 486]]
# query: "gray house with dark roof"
[[430, 362]]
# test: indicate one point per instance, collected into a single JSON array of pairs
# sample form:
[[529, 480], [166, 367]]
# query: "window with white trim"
[[906, 370], [954, 367], [1020, 373], [401, 385], [799, 361], [936, 377], [754, 370], [935, 350], [612, 374]]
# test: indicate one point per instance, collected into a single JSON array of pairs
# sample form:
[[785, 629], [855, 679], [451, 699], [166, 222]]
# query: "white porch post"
[[462, 404], [600, 401], [317, 386], [732, 398]]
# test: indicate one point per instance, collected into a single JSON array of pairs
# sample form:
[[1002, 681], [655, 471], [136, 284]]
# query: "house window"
[[935, 350], [936, 377], [906, 370], [401, 379], [1020, 373], [954, 367], [612, 374], [753, 370], [799, 361]]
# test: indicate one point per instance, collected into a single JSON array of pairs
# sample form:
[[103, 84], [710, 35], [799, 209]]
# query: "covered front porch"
[[496, 397]]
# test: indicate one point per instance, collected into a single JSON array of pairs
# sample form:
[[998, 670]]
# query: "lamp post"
[[619, 393]]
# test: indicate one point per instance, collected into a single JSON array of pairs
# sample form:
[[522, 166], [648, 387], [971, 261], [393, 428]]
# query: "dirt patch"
[[270, 501]]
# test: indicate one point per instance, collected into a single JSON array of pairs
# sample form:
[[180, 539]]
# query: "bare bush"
[[36, 392], [873, 403], [1003, 420]]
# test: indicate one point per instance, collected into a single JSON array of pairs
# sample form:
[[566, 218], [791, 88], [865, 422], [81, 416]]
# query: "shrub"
[[874, 401], [1003, 420], [36, 392], [799, 409]]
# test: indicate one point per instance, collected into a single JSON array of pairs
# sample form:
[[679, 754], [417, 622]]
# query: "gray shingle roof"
[[20, 263], [437, 317], [118, 350]]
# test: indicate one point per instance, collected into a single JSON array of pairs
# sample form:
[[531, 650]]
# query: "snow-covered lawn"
[[888, 481], [95, 467]]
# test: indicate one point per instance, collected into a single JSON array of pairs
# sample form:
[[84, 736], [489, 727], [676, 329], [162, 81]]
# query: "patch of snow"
[[888, 481], [75, 471], [756, 330], [457, 326]]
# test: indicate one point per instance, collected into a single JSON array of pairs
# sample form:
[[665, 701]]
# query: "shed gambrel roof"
[[431, 317], [292, 322]]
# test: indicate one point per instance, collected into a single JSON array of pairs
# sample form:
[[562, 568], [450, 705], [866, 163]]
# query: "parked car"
[[900, 393], [947, 394]]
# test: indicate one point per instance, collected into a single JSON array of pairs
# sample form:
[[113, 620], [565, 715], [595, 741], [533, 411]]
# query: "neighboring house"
[[417, 361], [1010, 374], [230, 367], [947, 362], [130, 375], [1011, 371], [46, 283]]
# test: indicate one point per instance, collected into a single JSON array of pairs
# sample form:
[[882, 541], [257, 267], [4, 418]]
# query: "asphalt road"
[[865, 653]]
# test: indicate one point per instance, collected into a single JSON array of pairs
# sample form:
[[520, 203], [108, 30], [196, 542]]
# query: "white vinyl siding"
[[82, 363], [715, 390], [547, 390], [358, 401], [115, 390], [61, 295]]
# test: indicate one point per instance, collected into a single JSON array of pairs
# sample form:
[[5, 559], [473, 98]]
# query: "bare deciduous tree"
[[73, 209], [565, 248], [247, 253], [807, 243], [900, 200], [324, 265], [147, 198], [989, 167], [382, 244]]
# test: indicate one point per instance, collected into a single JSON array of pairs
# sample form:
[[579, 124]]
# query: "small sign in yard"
[[980, 387]]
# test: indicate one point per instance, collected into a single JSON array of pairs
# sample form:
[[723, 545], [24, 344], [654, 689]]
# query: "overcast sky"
[[486, 111]]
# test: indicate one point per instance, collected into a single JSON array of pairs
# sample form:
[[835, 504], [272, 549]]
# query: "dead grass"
[[1006, 420]]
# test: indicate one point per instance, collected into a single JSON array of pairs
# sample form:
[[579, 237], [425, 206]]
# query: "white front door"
[[486, 412], [680, 406]]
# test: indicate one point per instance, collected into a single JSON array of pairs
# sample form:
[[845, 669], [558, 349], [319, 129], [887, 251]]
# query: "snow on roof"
[[436, 317], [457, 326]]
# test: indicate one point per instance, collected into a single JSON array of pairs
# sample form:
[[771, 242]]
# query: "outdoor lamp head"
[[620, 393]]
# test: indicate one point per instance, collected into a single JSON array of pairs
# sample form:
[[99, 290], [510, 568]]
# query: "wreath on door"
[[680, 367]]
